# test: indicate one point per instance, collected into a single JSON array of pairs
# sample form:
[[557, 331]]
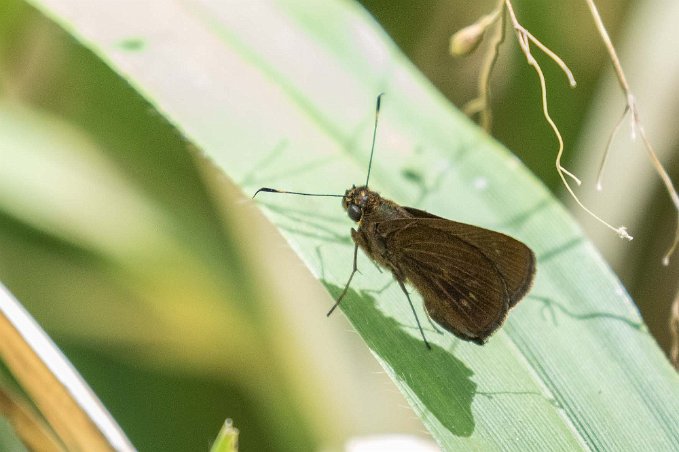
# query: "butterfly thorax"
[[363, 204]]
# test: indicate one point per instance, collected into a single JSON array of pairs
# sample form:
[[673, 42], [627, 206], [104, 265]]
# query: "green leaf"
[[281, 95], [227, 438]]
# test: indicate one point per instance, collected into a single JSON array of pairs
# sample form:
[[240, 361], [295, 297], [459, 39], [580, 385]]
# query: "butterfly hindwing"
[[468, 276]]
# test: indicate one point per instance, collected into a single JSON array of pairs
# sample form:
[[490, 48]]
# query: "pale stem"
[[637, 125], [524, 39]]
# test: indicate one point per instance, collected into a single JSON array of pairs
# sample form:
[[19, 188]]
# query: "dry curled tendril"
[[468, 39]]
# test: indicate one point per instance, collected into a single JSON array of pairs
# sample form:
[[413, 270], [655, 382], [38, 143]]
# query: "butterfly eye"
[[354, 212]]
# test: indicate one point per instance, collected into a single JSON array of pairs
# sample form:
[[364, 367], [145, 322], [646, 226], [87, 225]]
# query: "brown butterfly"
[[469, 277]]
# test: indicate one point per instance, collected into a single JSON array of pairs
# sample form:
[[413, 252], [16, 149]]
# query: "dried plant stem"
[[549, 53], [481, 104], [604, 159], [486, 117], [637, 126], [525, 38], [666, 180], [609, 45], [467, 39]]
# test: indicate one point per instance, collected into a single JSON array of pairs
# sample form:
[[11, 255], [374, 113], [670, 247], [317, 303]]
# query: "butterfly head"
[[358, 201]]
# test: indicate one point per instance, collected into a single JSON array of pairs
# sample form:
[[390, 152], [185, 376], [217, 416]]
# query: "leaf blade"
[[316, 136]]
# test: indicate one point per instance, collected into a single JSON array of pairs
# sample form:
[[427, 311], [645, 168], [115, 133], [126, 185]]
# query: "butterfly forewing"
[[468, 276], [513, 259]]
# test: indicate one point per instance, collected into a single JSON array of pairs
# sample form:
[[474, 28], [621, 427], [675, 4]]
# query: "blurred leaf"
[[280, 94], [147, 298]]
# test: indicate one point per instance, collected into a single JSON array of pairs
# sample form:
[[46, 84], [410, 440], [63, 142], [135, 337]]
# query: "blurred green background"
[[138, 273]]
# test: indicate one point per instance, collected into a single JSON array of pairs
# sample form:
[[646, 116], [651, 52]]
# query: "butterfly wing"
[[468, 276], [513, 259]]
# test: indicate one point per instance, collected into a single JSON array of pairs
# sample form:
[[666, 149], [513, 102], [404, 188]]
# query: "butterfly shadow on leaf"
[[442, 382]]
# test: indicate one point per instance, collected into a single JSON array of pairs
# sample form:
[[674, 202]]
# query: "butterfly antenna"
[[273, 190], [372, 148]]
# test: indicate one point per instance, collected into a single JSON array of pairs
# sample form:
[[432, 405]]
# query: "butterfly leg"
[[431, 322], [403, 287], [346, 287]]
